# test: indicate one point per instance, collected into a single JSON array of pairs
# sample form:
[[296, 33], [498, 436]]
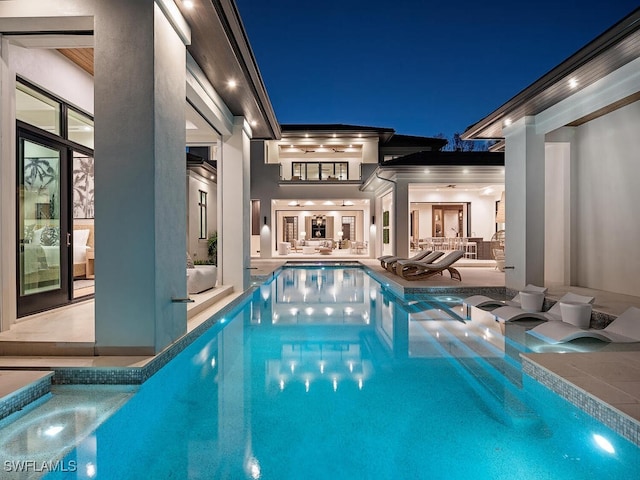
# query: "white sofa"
[[201, 278]]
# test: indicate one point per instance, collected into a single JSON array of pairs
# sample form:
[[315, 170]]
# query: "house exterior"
[[571, 141], [333, 183]]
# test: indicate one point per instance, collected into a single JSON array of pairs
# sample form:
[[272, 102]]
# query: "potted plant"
[[212, 248]]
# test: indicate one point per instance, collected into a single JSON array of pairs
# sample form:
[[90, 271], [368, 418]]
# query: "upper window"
[[80, 128], [320, 171], [41, 110], [202, 205], [37, 109]]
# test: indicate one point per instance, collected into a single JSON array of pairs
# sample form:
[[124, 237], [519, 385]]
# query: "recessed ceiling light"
[[290, 146], [232, 83], [426, 170], [350, 145], [188, 3], [573, 83], [253, 123], [334, 135], [507, 122], [465, 171], [306, 135]]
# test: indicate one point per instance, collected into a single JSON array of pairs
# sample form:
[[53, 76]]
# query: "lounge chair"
[[426, 256], [410, 265], [624, 329], [387, 260], [488, 303], [410, 270], [511, 314]]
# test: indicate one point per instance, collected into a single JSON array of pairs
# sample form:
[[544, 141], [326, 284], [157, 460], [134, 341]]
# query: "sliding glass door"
[[43, 233]]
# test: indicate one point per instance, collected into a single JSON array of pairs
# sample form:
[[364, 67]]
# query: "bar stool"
[[470, 248]]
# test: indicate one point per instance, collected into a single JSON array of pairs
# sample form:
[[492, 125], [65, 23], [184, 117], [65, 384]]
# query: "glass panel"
[[203, 214], [39, 217], [327, 170], [83, 186], [313, 171], [342, 171], [80, 128], [298, 171], [36, 109]]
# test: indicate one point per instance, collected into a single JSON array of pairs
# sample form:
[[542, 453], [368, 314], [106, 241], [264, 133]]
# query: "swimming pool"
[[323, 374]]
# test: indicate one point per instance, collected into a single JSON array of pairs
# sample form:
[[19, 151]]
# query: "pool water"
[[324, 375]]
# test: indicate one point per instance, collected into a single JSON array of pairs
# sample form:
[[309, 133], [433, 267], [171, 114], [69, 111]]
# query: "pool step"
[[478, 365], [19, 388]]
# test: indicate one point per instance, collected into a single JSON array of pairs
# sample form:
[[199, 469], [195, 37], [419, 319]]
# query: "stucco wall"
[[607, 200]]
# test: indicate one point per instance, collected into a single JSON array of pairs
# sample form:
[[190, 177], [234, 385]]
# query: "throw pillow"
[[190, 261], [50, 236]]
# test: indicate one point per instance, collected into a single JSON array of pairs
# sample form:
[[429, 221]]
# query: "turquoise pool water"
[[323, 375]]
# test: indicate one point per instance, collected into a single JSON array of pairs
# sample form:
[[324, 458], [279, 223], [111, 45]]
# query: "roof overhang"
[[611, 50], [220, 46], [433, 167]]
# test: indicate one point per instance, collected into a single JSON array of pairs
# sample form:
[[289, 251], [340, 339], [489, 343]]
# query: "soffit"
[[614, 48], [221, 48]]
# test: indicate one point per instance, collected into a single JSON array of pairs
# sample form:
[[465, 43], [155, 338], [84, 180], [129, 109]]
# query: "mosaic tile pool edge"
[[604, 413], [19, 399], [139, 375]]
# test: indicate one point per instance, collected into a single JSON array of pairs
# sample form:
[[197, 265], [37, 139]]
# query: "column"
[[401, 209], [235, 209], [140, 190], [524, 204], [7, 190]]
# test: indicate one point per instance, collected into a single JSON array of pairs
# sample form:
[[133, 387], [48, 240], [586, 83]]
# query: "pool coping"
[[136, 375], [34, 388]]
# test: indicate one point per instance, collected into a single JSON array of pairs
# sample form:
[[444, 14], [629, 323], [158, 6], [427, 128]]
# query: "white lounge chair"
[[488, 303], [624, 329], [511, 314]]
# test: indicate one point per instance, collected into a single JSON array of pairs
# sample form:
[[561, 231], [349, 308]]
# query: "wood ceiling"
[[83, 57]]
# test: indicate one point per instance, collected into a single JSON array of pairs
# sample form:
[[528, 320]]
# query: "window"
[[348, 228], [80, 128], [312, 171], [202, 205], [255, 217], [290, 232], [37, 109]]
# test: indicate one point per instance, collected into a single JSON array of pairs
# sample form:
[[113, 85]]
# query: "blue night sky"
[[419, 67]]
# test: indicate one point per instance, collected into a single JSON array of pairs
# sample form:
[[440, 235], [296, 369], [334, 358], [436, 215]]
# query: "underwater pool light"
[[53, 430], [603, 443]]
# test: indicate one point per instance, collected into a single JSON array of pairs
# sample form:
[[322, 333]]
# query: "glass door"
[[42, 224]]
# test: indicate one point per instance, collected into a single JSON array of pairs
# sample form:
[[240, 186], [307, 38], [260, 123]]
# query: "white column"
[[524, 204], [401, 209], [7, 190], [235, 210], [559, 150], [140, 189]]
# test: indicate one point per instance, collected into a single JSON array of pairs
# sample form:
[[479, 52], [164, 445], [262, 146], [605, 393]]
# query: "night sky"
[[419, 67]]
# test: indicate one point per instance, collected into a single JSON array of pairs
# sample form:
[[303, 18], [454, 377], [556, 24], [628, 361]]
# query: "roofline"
[[241, 47], [601, 43]]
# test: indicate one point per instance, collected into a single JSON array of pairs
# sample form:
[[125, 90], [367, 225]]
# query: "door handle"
[[68, 239]]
